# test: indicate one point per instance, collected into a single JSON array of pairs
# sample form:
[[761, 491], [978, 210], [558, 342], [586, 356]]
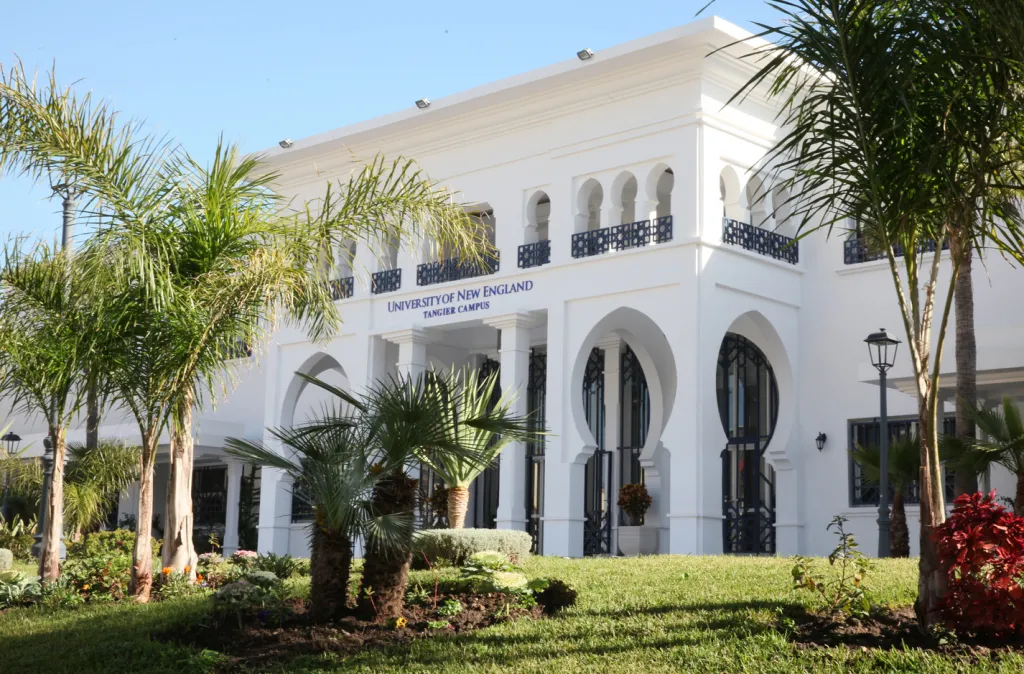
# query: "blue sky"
[[260, 71]]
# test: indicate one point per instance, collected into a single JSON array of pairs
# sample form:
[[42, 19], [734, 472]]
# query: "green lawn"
[[656, 614]]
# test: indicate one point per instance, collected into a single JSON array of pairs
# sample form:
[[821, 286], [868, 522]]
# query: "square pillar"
[[235, 470], [515, 375], [412, 350], [275, 511]]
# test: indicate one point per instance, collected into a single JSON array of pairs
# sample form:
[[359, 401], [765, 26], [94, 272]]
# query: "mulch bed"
[[889, 629], [262, 639]]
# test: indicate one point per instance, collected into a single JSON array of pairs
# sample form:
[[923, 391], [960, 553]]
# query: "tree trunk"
[[932, 580], [49, 555], [330, 568], [386, 564], [458, 504], [965, 482], [899, 533], [179, 550], [142, 555], [1018, 499], [92, 419]]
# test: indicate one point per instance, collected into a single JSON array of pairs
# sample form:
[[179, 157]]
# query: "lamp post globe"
[[882, 349]]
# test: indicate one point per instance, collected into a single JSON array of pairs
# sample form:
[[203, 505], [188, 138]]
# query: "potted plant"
[[635, 501]]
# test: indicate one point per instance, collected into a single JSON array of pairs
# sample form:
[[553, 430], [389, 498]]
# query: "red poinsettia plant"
[[982, 545], [634, 501]]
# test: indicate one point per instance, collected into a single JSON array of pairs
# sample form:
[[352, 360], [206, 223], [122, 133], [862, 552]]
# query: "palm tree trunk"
[[1018, 499], [330, 568], [964, 481], [458, 504], [142, 555], [899, 533], [932, 580], [179, 550], [92, 419], [49, 555], [386, 564]]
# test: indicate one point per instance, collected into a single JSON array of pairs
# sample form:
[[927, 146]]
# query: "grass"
[[655, 614]]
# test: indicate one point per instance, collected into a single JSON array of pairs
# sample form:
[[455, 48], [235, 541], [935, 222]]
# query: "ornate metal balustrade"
[[534, 254], [387, 281], [622, 237], [454, 269], [857, 250], [763, 241], [341, 288]]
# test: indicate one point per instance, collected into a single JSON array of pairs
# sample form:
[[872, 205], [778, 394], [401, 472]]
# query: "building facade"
[[649, 304]]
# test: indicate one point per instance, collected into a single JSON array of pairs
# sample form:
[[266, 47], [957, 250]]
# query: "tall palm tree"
[[477, 401], [1003, 444], [904, 469], [96, 478], [202, 257], [905, 117]]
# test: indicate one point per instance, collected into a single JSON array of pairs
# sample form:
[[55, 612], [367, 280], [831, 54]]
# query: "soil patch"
[[888, 629], [263, 638]]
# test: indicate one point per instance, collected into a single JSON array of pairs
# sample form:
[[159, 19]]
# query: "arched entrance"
[[748, 402], [597, 481]]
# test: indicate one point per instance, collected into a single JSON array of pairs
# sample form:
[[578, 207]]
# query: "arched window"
[[729, 189], [757, 203], [663, 190], [588, 206], [538, 213]]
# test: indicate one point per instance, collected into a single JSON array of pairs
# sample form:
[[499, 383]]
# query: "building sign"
[[459, 301]]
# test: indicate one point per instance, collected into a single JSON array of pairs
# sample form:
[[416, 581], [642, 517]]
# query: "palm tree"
[[203, 259], [1003, 444], [46, 329], [903, 117], [904, 470], [486, 442]]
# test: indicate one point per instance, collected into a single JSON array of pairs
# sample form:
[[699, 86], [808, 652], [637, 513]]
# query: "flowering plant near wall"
[[635, 501], [983, 545]]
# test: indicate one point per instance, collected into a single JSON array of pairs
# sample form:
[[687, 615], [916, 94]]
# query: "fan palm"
[[904, 117], [492, 431], [1003, 444], [904, 469]]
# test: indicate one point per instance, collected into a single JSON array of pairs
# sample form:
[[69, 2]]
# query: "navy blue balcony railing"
[[454, 269], [763, 241], [622, 237], [386, 281], [856, 250], [534, 254], [341, 288]]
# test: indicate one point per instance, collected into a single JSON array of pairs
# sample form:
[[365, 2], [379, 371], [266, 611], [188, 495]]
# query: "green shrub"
[[16, 536], [282, 566], [302, 566], [61, 593], [17, 589], [6, 559], [171, 584], [456, 546], [100, 577], [116, 542]]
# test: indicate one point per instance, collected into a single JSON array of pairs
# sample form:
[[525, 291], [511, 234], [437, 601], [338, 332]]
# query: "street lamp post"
[[882, 349], [11, 440]]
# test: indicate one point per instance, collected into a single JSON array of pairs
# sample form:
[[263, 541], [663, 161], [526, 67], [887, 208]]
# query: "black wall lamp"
[[820, 441]]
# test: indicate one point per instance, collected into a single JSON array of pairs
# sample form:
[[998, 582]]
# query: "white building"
[[666, 329]]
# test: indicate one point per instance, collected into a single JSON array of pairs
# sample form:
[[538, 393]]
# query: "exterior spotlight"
[[286, 143], [820, 441], [585, 54], [423, 103]]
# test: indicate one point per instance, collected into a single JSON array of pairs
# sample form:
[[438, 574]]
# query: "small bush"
[[100, 577], [302, 566], [244, 559], [450, 608], [844, 591], [17, 589], [635, 501], [282, 566], [118, 541], [556, 596], [456, 546], [171, 584], [6, 559], [16, 536], [60, 594], [984, 545]]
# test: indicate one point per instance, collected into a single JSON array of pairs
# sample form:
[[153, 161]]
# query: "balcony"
[[387, 281], [622, 237], [454, 269], [341, 288], [763, 241], [534, 254], [857, 250]]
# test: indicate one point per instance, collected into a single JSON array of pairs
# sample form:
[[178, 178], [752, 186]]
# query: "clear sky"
[[260, 71]]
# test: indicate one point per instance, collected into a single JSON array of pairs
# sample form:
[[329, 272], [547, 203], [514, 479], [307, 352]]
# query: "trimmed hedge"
[[6, 559], [455, 546]]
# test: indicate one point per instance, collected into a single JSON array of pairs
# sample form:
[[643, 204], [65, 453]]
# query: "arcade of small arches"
[[623, 384]]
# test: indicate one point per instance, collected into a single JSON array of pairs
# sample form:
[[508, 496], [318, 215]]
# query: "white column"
[[235, 470], [612, 346], [275, 511], [412, 350], [515, 375]]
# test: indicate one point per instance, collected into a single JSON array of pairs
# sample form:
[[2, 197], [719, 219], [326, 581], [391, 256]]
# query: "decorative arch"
[[538, 213], [588, 205], [314, 366], [729, 190], [783, 212], [624, 196], [757, 202]]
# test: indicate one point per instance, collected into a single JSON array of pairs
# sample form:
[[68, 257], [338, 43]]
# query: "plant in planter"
[[637, 539]]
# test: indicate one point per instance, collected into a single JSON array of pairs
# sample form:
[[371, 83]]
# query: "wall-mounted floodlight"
[[585, 54], [286, 143], [423, 103]]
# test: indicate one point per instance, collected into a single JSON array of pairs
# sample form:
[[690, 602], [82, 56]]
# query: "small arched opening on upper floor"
[[782, 203], [757, 203], [624, 199], [345, 259], [729, 191], [538, 215], [588, 206], [664, 180]]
